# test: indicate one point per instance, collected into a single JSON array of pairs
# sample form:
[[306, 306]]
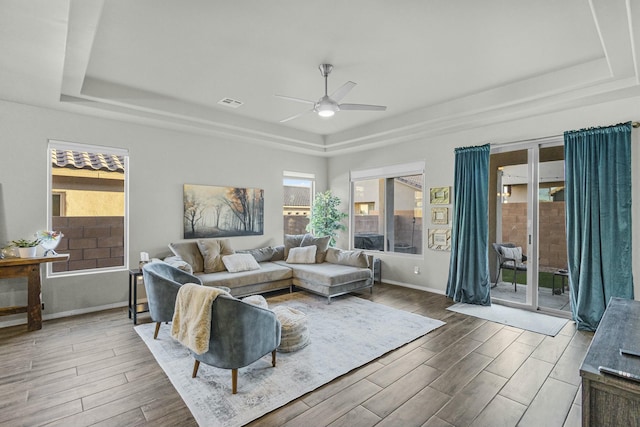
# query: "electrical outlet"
[[416, 270]]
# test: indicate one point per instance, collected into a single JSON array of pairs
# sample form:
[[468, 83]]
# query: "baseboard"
[[419, 288], [23, 320]]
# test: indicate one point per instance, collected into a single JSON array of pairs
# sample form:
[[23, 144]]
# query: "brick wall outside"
[[91, 242], [295, 224], [553, 240]]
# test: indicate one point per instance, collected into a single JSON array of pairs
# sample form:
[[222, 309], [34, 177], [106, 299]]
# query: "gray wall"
[[438, 154], [161, 161]]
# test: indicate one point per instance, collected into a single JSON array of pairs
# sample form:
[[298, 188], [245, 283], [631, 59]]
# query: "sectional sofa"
[[304, 261]]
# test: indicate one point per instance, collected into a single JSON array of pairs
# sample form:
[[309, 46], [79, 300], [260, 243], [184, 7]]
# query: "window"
[[387, 208], [88, 204], [298, 190]]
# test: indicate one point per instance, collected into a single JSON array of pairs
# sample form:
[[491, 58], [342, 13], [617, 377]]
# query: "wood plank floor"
[[95, 370]]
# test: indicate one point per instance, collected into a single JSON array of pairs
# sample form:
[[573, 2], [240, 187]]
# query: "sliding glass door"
[[527, 256]]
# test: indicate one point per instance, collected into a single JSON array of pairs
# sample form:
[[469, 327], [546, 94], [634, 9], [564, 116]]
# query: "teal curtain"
[[598, 219], [469, 264]]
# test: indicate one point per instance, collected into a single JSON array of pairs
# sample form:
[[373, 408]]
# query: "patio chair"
[[508, 255]]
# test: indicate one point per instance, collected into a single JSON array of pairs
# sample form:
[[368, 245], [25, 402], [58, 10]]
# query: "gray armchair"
[[241, 333], [162, 281]]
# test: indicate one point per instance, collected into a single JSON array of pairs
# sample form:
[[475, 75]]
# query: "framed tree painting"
[[212, 211]]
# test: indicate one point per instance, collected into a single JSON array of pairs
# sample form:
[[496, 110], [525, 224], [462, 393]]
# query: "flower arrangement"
[[49, 235]]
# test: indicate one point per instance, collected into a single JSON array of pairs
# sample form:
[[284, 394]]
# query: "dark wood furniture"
[[29, 268], [564, 276], [609, 400], [135, 308]]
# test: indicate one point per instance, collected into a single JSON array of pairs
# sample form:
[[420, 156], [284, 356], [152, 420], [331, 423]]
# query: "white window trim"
[[413, 168], [392, 171], [65, 145]]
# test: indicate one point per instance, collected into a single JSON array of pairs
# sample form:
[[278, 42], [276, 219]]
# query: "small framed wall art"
[[440, 216], [440, 239], [439, 195]]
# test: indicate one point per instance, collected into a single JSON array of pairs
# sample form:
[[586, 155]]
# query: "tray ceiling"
[[437, 65]]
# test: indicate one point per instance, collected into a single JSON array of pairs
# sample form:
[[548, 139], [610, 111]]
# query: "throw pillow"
[[240, 262], [212, 251], [321, 243], [278, 253], [305, 255], [261, 255], [189, 253], [182, 265], [291, 241], [352, 258], [512, 253]]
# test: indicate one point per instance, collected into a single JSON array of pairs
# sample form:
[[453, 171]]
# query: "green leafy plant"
[[326, 219], [24, 243]]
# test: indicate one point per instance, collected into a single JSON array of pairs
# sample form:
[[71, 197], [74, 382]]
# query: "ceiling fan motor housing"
[[325, 69]]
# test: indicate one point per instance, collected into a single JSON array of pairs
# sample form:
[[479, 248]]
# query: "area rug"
[[523, 319], [345, 335]]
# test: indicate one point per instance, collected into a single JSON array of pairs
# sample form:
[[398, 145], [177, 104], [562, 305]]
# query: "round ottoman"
[[256, 300], [295, 329]]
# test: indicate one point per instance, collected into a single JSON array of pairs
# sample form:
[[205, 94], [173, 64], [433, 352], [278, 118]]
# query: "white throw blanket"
[[191, 324]]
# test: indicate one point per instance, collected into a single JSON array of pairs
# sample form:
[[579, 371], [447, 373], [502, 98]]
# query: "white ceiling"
[[437, 64]]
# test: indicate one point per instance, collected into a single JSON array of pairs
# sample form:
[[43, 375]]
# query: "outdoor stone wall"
[[91, 242], [553, 240]]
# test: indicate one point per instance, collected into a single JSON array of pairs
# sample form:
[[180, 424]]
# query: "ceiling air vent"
[[229, 102]]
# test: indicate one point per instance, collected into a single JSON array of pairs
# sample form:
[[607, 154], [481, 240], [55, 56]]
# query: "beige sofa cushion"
[[212, 251], [352, 258], [302, 255], [291, 241], [240, 262], [189, 253], [321, 244]]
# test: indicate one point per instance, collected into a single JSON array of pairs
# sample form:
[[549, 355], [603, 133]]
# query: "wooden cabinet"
[[608, 400]]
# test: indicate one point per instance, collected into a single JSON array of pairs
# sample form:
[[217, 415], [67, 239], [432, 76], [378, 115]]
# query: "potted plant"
[[325, 217], [26, 248]]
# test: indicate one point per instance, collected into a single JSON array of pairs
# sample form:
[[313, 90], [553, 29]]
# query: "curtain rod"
[[495, 145]]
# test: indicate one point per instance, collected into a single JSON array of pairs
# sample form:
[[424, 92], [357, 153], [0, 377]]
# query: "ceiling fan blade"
[[290, 98], [342, 91], [296, 116], [362, 107]]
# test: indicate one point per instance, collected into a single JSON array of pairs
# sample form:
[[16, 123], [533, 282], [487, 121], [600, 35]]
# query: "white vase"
[[49, 245], [27, 252]]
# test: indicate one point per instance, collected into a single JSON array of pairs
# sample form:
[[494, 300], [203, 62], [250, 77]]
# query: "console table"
[[29, 268], [609, 400]]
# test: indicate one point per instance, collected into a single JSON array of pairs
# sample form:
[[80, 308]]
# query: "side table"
[[377, 270], [135, 277], [564, 275]]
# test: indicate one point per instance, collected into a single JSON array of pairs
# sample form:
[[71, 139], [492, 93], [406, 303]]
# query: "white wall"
[[161, 161], [438, 153]]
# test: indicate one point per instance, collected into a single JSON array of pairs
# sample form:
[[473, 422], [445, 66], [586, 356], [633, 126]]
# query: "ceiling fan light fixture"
[[326, 109], [326, 113]]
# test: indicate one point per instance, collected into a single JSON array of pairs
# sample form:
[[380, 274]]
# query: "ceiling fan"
[[327, 106]]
